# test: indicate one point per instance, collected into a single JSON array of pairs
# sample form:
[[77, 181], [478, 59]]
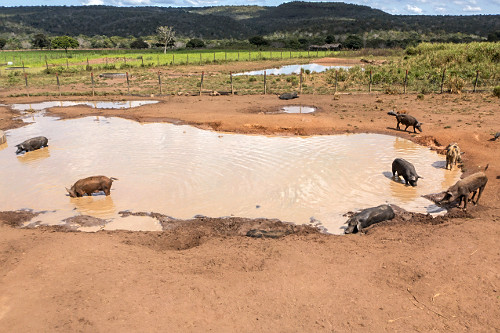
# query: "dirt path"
[[412, 274]]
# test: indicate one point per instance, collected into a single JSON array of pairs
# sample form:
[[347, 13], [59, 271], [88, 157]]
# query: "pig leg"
[[397, 126], [479, 195], [406, 127]]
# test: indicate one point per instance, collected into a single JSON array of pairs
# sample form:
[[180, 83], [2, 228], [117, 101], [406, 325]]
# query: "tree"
[[40, 41], [139, 44], [3, 41], [166, 35], [353, 42], [258, 40], [195, 43], [330, 39], [64, 42]]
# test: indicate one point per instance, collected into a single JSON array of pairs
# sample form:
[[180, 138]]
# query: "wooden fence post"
[[173, 58], [265, 83], [128, 84], [201, 82], [300, 81], [124, 60], [142, 61], [46, 63], [475, 82], [442, 80], [26, 82], [200, 59], [281, 55], [336, 77], [158, 60], [231, 79], [249, 56], [106, 61], [370, 83], [92, 81], [23, 67], [67, 64], [187, 59], [406, 82], [214, 56], [238, 55], [159, 81], [225, 55], [58, 84]]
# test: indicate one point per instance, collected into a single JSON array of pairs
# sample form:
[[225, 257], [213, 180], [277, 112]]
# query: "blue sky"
[[402, 7]]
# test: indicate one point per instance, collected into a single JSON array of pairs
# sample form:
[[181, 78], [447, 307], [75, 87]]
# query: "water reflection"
[[298, 109], [32, 107], [4, 145], [293, 69], [182, 171], [34, 156]]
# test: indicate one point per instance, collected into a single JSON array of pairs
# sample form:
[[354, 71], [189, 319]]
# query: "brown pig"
[[471, 184], [90, 185]]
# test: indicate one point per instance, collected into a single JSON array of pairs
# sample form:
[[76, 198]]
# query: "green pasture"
[[118, 59]]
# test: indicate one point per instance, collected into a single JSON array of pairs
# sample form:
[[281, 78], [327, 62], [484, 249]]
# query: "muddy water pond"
[[182, 171]]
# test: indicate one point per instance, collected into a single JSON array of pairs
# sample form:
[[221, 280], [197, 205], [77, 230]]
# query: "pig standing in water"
[[405, 169], [367, 217], [32, 144], [90, 185]]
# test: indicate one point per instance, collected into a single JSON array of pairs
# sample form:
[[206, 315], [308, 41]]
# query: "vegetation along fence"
[[427, 68]]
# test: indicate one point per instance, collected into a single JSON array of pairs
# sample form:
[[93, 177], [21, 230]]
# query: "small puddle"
[[183, 171], [298, 109], [293, 69], [93, 104]]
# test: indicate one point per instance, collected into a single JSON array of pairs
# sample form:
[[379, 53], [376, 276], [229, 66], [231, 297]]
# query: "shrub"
[[496, 91]]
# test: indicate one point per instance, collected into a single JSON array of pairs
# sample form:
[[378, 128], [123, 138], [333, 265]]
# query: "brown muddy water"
[[182, 171]]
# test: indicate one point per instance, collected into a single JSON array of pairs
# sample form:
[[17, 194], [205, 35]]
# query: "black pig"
[[32, 144], [407, 120], [367, 217], [406, 170], [288, 96]]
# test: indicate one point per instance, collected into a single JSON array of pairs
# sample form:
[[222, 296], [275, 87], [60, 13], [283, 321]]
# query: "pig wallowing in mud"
[[367, 217], [91, 185], [32, 144], [461, 190], [406, 170], [406, 120]]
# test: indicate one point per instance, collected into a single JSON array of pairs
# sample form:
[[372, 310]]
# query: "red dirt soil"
[[410, 274]]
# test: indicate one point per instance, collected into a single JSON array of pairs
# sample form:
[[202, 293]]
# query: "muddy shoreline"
[[413, 273]]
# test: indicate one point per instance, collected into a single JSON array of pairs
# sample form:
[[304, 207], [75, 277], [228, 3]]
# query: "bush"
[[195, 43], [496, 91]]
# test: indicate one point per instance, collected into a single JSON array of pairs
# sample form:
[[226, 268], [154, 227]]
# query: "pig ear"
[[70, 193], [420, 177]]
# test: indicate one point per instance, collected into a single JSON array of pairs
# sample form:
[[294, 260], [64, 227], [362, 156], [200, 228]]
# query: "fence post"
[[238, 55], [142, 61], [249, 56], [231, 79], [475, 82], [336, 77], [67, 64], [124, 60], [265, 83], [290, 54], [225, 55], [92, 81], [200, 59], [58, 85], [173, 58], [158, 60], [370, 83], [128, 84], [23, 67], [201, 82], [406, 82], [300, 81], [187, 59], [26, 82], [46, 63], [281, 55], [214, 56], [442, 80], [106, 61], [159, 81], [87, 62]]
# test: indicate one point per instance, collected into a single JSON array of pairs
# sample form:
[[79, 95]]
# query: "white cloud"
[[93, 3], [423, 1], [440, 9], [413, 9], [471, 9]]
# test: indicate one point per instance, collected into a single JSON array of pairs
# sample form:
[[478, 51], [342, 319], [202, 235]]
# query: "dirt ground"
[[414, 273]]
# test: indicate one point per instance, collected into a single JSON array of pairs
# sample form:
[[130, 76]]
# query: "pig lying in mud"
[[32, 144], [407, 120], [474, 183], [406, 170], [367, 217], [288, 96], [452, 155], [91, 185]]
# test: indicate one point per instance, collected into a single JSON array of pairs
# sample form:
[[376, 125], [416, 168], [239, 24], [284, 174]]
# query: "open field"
[[411, 274]]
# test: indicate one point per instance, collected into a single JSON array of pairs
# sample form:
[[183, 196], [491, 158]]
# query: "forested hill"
[[232, 21]]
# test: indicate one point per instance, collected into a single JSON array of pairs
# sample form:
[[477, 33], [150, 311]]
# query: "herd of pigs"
[[460, 191]]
